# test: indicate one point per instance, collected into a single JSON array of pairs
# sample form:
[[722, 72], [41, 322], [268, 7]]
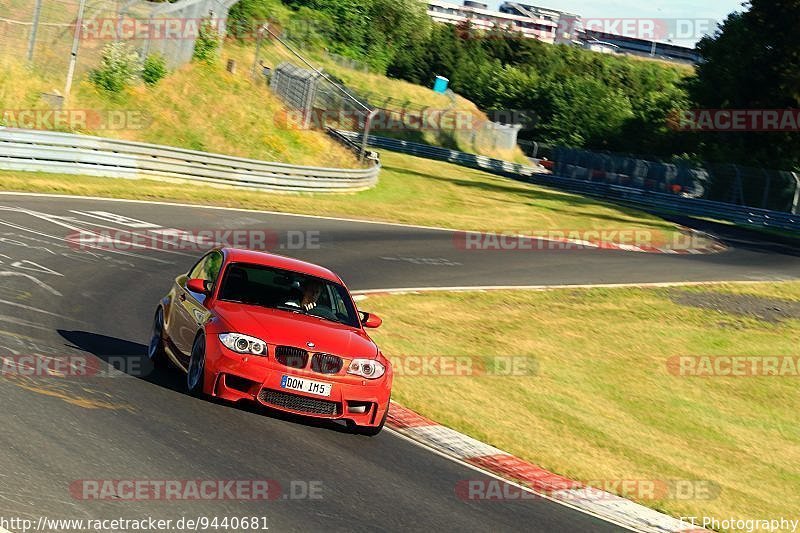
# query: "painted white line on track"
[[32, 279], [37, 310], [236, 209], [478, 288], [62, 239], [282, 213], [504, 480]]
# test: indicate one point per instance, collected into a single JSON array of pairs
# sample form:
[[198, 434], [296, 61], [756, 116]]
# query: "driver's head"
[[311, 290]]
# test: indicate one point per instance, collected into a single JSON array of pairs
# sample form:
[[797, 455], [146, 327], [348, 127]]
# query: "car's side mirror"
[[370, 320], [198, 285]]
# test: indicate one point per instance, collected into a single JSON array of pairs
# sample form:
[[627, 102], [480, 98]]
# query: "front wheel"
[[197, 366]]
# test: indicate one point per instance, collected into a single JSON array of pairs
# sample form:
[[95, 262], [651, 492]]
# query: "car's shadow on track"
[[130, 357]]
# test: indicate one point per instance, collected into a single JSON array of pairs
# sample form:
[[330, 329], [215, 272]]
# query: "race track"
[[62, 301]]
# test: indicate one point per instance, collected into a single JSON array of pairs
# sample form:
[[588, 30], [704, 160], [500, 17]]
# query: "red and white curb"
[[488, 458]]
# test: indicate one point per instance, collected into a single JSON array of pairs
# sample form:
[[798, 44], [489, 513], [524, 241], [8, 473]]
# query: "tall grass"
[[200, 107]]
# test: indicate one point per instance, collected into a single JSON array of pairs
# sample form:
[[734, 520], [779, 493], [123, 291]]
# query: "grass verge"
[[199, 107], [411, 190], [457, 124], [602, 404]]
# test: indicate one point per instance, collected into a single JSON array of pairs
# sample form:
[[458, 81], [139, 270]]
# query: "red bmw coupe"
[[248, 325]]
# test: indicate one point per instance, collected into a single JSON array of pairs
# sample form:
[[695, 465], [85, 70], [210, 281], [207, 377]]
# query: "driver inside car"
[[308, 296]]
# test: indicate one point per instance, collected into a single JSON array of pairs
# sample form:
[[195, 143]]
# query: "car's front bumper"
[[235, 377]]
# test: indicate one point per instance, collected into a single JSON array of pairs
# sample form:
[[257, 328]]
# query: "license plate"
[[306, 385]]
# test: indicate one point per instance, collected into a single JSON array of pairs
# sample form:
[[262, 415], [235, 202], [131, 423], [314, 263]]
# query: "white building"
[[482, 18], [553, 27]]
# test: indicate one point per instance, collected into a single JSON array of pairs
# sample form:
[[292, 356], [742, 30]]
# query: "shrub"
[[118, 67], [207, 44], [154, 69]]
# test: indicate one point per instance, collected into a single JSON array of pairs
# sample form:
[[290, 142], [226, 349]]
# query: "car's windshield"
[[290, 291]]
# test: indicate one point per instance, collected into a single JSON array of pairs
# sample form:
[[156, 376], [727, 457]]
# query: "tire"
[[155, 350], [195, 376], [368, 431]]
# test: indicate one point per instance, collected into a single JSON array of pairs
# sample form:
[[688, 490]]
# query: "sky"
[[685, 10]]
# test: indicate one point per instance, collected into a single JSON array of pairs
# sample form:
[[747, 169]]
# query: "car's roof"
[[279, 261]]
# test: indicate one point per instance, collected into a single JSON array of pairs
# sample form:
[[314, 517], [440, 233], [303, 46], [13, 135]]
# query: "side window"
[[197, 269], [212, 266], [208, 267]]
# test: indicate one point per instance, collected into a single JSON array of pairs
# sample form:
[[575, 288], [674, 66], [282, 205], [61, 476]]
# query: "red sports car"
[[248, 325]]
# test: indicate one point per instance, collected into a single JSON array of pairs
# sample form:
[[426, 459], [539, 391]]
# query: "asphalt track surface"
[[62, 301]]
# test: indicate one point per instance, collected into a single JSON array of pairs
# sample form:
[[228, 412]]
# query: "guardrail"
[[638, 198], [66, 153], [497, 166]]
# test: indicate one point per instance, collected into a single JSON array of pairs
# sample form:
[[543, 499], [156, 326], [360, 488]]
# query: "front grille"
[[325, 363], [291, 356], [298, 403]]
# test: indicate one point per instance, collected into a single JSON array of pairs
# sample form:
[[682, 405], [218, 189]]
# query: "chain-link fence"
[[44, 34], [339, 106], [735, 184]]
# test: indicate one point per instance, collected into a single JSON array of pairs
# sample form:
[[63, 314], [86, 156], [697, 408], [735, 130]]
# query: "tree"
[[753, 62]]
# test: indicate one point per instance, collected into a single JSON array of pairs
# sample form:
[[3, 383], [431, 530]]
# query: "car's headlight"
[[243, 343], [367, 368]]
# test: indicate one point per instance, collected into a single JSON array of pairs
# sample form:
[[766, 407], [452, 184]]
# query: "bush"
[[154, 69], [207, 44], [118, 67]]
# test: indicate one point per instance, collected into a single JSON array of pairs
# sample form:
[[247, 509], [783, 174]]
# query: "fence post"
[[796, 201], [367, 127], [765, 198], [37, 11], [73, 58], [260, 35]]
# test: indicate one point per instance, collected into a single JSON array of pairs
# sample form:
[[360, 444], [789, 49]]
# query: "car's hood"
[[279, 327]]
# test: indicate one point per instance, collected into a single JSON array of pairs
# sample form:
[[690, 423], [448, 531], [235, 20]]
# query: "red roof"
[[280, 261]]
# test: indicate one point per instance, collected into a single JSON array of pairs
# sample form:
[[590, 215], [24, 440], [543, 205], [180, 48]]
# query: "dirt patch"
[[766, 309]]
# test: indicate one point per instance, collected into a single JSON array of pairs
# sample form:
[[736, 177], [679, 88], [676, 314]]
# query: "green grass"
[[602, 405], [378, 87], [201, 107], [411, 190]]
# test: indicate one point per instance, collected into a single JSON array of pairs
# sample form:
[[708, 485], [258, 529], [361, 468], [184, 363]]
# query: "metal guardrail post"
[[73, 58], [365, 135], [796, 201]]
